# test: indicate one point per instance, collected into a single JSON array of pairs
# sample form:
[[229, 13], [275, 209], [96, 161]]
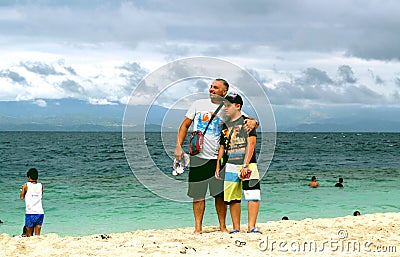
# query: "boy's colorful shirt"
[[238, 141]]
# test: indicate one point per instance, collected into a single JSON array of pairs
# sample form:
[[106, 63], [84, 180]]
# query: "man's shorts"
[[32, 220], [251, 190], [202, 177]]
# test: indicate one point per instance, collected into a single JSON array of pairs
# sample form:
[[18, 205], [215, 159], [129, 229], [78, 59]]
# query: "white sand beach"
[[366, 235]]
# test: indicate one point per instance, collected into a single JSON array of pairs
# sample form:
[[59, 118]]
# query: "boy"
[[32, 192], [241, 168]]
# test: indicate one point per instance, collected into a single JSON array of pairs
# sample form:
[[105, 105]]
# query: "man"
[[202, 165]]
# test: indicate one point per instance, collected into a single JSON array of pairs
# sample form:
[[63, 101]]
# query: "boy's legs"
[[29, 224], [235, 210], [252, 195], [29, 231], [33, 222], [37, 229], [253, 207]]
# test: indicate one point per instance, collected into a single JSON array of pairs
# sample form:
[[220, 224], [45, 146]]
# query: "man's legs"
[[199, 206], [221, 209]]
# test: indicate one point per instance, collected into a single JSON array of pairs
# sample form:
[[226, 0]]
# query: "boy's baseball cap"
[[234, 98]]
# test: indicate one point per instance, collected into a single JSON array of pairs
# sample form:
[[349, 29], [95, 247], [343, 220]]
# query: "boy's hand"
[[23, 191], [245, 173]]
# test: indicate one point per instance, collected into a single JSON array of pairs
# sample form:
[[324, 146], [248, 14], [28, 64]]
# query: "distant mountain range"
[[78, 115]]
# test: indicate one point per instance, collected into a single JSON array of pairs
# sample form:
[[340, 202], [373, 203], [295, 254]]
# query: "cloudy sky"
[[305, 53]]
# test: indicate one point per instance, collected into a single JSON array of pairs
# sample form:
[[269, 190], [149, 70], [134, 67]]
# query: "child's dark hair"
[[32, 173]]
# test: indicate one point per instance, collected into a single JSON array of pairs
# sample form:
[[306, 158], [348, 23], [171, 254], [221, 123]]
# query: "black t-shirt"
[[238, 140]]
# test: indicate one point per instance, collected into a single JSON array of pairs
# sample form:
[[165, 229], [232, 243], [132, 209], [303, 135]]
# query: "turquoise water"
[[90, 188]]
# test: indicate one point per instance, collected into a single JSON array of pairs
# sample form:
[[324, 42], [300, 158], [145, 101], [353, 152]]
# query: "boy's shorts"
[[32, 220], [251, 190], [202, 177]]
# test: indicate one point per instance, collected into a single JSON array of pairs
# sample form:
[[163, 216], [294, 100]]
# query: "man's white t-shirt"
[[200, 112]]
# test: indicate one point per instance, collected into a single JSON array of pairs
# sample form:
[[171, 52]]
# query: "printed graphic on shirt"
[[35, 190], [215, 126], [237, 143]]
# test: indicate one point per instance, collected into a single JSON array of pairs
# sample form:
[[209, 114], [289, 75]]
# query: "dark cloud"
[[226, 49], [71, 86], [40, 68], [367, 30], [314, 85], [379, 80], [313, 77], [397, 81], [14, 76], [69, 69], [174, 51], [135, 74], [346, 74], [80, 22], [362, 95], [260, 79]]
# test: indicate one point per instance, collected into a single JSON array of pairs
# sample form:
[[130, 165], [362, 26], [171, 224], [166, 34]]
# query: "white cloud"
[[100, 101], [40, 102]]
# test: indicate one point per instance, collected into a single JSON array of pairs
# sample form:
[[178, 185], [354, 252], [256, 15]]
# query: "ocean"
[[91, 189]]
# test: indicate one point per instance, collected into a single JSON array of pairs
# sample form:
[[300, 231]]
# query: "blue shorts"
[[32, 220]]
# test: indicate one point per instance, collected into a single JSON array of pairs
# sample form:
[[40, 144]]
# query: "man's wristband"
[[245, 165]]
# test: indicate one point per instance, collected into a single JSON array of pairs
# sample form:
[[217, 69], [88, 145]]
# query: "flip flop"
[[240, 243], [234, 231], [255, 230], [178, 167]]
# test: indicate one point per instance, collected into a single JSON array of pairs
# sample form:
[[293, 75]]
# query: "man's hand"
[[250, 124], [183, 129], [178, 153], [217, 175]]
